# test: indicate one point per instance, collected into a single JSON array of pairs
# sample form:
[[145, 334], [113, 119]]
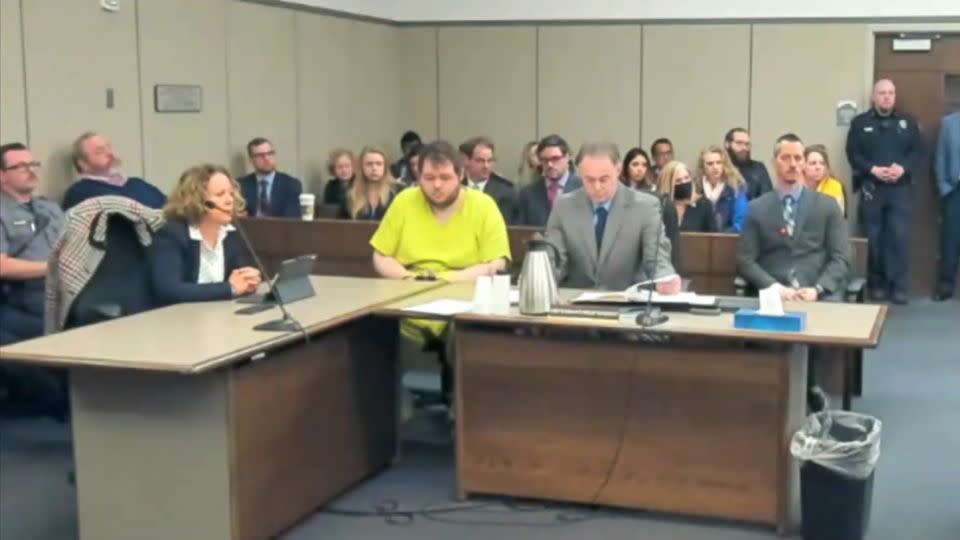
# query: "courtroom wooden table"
[[189, 425], [691, 417]]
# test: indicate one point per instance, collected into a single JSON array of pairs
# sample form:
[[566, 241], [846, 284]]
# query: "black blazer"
[[368, 214], [284, 195], [505, 194], [335, 192], [533, 206], [175, 264], [699, 218]]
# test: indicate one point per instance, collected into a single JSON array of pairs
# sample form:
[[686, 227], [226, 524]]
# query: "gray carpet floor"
[[912, 383]]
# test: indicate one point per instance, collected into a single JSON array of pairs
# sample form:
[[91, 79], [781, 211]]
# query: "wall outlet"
[[110, 5]]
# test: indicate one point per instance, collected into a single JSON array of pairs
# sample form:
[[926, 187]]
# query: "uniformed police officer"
[[29, 226], [884, 149]]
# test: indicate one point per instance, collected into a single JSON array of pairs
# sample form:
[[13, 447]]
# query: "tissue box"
[[749, 319]]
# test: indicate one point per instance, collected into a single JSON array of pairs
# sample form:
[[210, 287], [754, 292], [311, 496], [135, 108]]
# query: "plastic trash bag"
[[845, 442]]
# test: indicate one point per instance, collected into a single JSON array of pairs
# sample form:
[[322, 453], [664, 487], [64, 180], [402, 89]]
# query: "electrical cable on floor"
[[624, 425], [390, 511]]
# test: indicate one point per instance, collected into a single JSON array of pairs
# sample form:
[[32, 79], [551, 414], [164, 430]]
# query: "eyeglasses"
[[23, 166], [265, 154], [553, 160]]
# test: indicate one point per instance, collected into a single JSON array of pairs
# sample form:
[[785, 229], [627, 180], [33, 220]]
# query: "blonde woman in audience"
[[819, 176], [683, 207], [721, 183], [373, 188], [340, 165], [529, 168], [636, 172]]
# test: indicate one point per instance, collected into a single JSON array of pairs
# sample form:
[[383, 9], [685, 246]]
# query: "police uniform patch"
[[903, 124]]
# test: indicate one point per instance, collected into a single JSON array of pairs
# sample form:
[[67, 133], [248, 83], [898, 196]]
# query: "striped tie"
[[788, 214]]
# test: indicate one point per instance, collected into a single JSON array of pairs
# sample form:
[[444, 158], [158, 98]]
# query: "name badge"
[[903, 124], [868, 129]]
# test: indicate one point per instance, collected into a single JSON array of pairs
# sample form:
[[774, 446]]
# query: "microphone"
[[651, 315], [285, 324]]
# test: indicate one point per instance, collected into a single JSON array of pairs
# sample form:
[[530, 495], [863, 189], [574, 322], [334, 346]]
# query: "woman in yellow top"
[[820, 178]]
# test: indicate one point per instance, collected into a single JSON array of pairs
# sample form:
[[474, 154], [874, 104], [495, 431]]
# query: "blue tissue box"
[[790, 321]]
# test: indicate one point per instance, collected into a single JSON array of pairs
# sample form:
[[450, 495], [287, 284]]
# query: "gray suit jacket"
[[629, 248], [818, 252]]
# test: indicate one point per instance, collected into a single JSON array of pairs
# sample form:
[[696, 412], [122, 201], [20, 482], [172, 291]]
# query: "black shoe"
[[942, 296], [816, 399], [899, 298]]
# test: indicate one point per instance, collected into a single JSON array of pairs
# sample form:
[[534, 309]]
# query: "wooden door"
[[924, 81]]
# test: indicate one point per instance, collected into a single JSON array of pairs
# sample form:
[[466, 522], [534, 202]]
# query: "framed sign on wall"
[[177, 98]]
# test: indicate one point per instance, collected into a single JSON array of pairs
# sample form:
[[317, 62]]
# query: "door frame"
[[887, 28]]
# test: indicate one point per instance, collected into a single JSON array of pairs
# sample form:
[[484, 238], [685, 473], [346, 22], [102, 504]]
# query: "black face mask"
[[682, 192]]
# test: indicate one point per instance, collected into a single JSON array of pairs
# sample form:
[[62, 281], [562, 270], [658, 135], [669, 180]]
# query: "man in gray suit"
[[607, 236], [794, 236]]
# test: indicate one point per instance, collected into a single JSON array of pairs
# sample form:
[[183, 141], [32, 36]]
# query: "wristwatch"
[[821, 292]]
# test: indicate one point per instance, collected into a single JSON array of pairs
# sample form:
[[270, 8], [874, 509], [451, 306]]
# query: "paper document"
[[687, 298], [514, 296], [770, 301], [662, 279], [442, 306]]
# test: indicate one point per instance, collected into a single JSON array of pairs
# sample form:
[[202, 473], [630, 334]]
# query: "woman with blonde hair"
[[819, 176], [722, 184], [373, 188], [694, 212], [341, 167], [529, 168], [198, 255]]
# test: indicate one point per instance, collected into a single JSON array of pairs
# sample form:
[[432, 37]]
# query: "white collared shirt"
[[477, 185], [212, 262]]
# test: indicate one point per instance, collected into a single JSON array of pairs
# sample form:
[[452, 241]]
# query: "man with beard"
[[737, 143], [99, 174], [440, 230]]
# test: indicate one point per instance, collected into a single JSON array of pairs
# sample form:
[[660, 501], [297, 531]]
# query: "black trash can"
[[839, 452], [834, 507]]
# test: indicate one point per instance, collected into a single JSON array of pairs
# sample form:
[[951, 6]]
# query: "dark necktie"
[[600, 223], [789, 211], [263, 206]]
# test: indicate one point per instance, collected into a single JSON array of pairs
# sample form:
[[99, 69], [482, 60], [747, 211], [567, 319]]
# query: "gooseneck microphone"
[[285, 324], [651, 315]]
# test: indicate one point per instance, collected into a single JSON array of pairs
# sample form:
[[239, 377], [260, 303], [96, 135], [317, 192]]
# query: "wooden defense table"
[[189, 425], [691, 417]]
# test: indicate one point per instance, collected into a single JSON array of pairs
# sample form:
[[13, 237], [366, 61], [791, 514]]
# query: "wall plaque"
[[177, 98]]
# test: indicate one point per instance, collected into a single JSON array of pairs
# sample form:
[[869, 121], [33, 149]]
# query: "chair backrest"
[[121, 284]]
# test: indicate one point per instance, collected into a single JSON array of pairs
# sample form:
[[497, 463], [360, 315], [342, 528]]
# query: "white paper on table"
[[686, 297], [442, 306], [514, 296], [770, 301], [662, 279]]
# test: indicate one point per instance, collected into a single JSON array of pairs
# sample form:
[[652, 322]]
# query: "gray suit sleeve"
[[836, 271], [656, 256], [748, 251], [555, 236]]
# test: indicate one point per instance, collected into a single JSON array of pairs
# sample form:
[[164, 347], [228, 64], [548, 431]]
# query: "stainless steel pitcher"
[[537, 285]]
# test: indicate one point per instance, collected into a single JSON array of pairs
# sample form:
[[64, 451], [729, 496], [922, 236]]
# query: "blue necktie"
[[599, 224], [788, 214]]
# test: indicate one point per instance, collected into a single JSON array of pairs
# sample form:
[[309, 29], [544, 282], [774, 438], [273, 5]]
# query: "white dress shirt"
[[212, 263]]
